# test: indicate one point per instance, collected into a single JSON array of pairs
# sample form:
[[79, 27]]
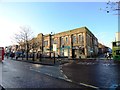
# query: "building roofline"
[[67, 31], [70, 30]]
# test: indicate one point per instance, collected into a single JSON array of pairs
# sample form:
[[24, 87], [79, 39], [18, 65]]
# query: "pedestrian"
[[107, 55], [17, 55], [110, 55]]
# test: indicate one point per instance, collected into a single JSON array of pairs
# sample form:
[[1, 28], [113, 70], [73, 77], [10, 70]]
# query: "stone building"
[[102, 48], [76, 43]]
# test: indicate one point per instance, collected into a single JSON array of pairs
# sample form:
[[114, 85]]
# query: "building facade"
[[76, 43], [116, 47], [117, 36], [102, 49]]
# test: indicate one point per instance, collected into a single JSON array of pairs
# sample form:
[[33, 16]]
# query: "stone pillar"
[[49, 44], [58, 46], [85, 43], [70, 42]]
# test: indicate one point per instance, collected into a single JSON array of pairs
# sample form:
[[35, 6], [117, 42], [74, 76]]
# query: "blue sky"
[[47, 17]]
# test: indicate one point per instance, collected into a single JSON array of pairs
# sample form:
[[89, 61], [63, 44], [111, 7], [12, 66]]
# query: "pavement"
[[45, 61], [48, 67]]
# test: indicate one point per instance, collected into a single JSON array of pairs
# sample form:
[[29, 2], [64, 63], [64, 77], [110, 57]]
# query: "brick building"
[[102, 48], [79, 42]]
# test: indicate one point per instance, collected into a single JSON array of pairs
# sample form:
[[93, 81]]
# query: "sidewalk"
[[44, 61], [53, 71], [47, 67]]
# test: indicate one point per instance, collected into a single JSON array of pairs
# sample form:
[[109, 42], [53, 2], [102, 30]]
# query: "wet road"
[[94, 73], [16, 74]]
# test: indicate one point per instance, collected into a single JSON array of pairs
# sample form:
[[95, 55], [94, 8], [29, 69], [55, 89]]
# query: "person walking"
[[107, 55]]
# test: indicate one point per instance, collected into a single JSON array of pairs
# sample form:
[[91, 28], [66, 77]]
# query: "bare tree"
[[112, 7], [23, 38], [34, 44]]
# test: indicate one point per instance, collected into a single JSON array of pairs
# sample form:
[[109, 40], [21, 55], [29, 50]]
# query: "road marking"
[[69, 80], [61, 77], [61, 71], [89, 85], [66, 78], [49, 74]]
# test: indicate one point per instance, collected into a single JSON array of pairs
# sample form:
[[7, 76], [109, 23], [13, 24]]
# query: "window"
[[114, 43], [67, 40], [46, 43], [62, 40], [118, 43], [80, 38], [55, 41], [74, 39], [52, 41], [117, 52]]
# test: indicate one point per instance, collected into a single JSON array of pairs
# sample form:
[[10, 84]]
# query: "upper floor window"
[[66, 40], [62, 40], [118, 43], [45, 43], [74, 39], [55, 41], [80, 38]]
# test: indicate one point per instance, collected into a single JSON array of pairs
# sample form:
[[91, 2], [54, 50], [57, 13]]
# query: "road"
[[94, 73], [17, 74]]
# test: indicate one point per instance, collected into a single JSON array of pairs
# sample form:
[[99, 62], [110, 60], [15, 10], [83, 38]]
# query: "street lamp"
[[63, 49]]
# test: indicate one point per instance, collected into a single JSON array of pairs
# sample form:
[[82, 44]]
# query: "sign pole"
[[54, 50]]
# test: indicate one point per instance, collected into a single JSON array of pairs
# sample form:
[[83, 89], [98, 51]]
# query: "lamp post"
[[63, 49]]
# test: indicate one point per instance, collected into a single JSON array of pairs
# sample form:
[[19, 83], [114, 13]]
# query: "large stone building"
[[79, 42]]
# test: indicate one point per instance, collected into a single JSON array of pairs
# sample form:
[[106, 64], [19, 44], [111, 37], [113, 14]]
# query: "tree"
[[112, 7], [23, 38], [34, 46]]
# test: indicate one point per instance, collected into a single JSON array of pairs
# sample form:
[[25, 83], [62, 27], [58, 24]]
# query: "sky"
[[47, 17]]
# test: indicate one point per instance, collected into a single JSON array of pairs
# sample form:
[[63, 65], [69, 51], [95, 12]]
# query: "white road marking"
[[61, 71], [89, 85], [69, 80], [65, 76]]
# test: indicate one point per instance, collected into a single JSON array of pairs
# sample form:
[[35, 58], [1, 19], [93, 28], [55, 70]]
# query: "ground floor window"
[[65, 52]]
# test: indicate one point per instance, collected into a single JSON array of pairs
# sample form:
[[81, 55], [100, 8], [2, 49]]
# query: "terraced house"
[[76, 43]]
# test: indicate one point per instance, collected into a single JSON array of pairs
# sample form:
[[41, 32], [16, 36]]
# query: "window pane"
[[46, 43], [66, 39], [61, 39], [74, 39], [117, 52]]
